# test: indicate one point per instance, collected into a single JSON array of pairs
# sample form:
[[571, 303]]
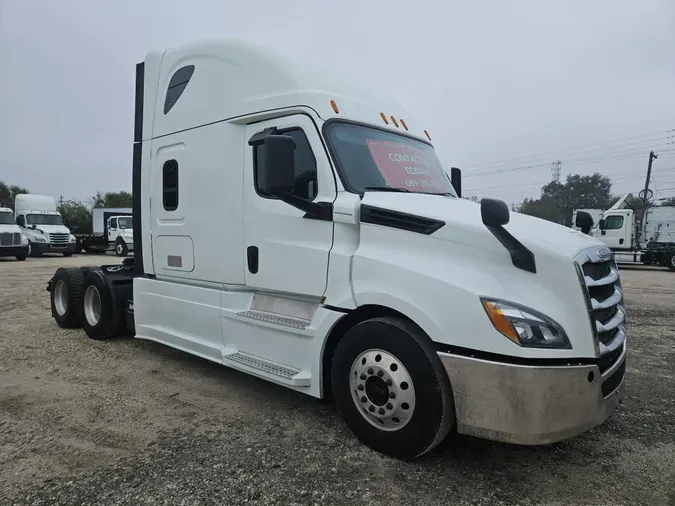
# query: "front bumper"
[[13, 251], [44, 247], [531, 405]]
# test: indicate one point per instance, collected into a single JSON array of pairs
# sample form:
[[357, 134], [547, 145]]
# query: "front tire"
[[21, 258], [391, 388], [67, 255], [671, 261], [65, 296], [121, 249]]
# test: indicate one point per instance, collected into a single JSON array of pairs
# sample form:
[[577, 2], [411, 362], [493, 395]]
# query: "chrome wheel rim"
[[119, 249], [61, 297], [30, 250], [382, 389], [672, 260], [92, 305]]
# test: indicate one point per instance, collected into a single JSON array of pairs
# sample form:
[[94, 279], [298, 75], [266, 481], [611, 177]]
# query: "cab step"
[[276, 319], [289, 375]]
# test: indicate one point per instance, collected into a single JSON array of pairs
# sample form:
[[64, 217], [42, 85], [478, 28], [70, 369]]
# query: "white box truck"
[[633, 242], [304, 231], [42, 225], [112, 230], [12, 241]]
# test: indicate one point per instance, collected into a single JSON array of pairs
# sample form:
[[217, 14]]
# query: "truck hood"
[[464, 224], [11, 229]]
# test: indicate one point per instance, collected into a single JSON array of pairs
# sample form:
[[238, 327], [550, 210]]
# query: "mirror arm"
[[521, 257], [313, 210]]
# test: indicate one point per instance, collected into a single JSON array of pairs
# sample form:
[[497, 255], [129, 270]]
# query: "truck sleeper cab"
[[288, 227]]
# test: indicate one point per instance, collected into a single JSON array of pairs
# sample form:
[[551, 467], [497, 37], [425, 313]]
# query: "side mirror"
[[456, 180], [602, 224], [33, 226], [584, 221], [495, 213], [277, 171]]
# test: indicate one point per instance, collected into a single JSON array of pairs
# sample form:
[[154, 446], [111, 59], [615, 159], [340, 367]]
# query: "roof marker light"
[[427, 134], [334, 106], [404, 125], [384, 118], [394, 121]]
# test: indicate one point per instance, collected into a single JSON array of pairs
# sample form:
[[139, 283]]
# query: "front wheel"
[[121, 249], [671, 261], [391, 388]]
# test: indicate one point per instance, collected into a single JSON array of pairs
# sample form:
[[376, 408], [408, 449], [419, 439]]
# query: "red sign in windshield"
[[403, 166]]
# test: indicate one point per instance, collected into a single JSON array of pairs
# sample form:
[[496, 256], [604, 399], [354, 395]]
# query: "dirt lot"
[[132, 422]]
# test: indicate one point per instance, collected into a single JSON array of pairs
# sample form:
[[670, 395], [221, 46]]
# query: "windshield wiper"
[[403, 190], [386, 189]]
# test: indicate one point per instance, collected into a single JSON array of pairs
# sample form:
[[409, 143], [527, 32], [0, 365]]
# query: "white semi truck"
[[304, 232], [42, 225], [12, 241], [634, 242], [112, 230]]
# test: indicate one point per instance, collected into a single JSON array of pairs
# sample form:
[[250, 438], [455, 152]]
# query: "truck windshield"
[[44, 219], [6, 218], [124, 223], [376, 159]]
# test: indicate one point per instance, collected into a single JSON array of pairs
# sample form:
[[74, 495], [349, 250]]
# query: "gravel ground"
[[132, 422]]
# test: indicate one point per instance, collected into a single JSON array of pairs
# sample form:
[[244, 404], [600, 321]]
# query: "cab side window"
[[21, 220], [613, 222], [305, 166]]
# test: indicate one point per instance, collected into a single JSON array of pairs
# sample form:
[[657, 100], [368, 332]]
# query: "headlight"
[[72, 238], [39, 239], [524, 326]]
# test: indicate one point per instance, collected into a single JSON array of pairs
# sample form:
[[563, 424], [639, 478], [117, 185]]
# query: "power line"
[[549, 153]]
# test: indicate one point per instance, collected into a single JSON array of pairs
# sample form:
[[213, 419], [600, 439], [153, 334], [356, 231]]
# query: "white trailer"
[[304, 232], [112, 230], [42, 225]]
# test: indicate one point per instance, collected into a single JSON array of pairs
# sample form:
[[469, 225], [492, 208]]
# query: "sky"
[[504, 88]]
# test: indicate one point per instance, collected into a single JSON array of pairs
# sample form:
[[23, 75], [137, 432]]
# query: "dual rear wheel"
[[80, 297]]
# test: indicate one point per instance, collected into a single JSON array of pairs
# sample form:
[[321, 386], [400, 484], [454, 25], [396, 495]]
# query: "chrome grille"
[[602, 283], [59, 239], [10, 239]]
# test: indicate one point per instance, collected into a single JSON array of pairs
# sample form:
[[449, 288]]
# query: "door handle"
[[252, 258]]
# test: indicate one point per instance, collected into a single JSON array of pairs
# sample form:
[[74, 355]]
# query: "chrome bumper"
[[531, 405]]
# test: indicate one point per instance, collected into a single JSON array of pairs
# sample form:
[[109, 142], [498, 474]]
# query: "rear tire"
[[100, 318], [391, 388], [65, 297], [21, 258]]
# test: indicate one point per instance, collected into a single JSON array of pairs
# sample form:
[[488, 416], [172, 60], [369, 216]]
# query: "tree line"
[[77, 215]]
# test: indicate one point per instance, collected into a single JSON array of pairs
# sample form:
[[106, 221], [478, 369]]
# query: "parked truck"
[[112, 230], [42, 225], [651, 242], [12, 242], [304, 232]]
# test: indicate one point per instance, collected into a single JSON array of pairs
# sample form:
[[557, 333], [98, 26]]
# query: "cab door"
[[284, 251], [616, 229], [112, 229]]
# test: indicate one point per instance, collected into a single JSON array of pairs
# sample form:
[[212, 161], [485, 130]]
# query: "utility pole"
[[645, 195]]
